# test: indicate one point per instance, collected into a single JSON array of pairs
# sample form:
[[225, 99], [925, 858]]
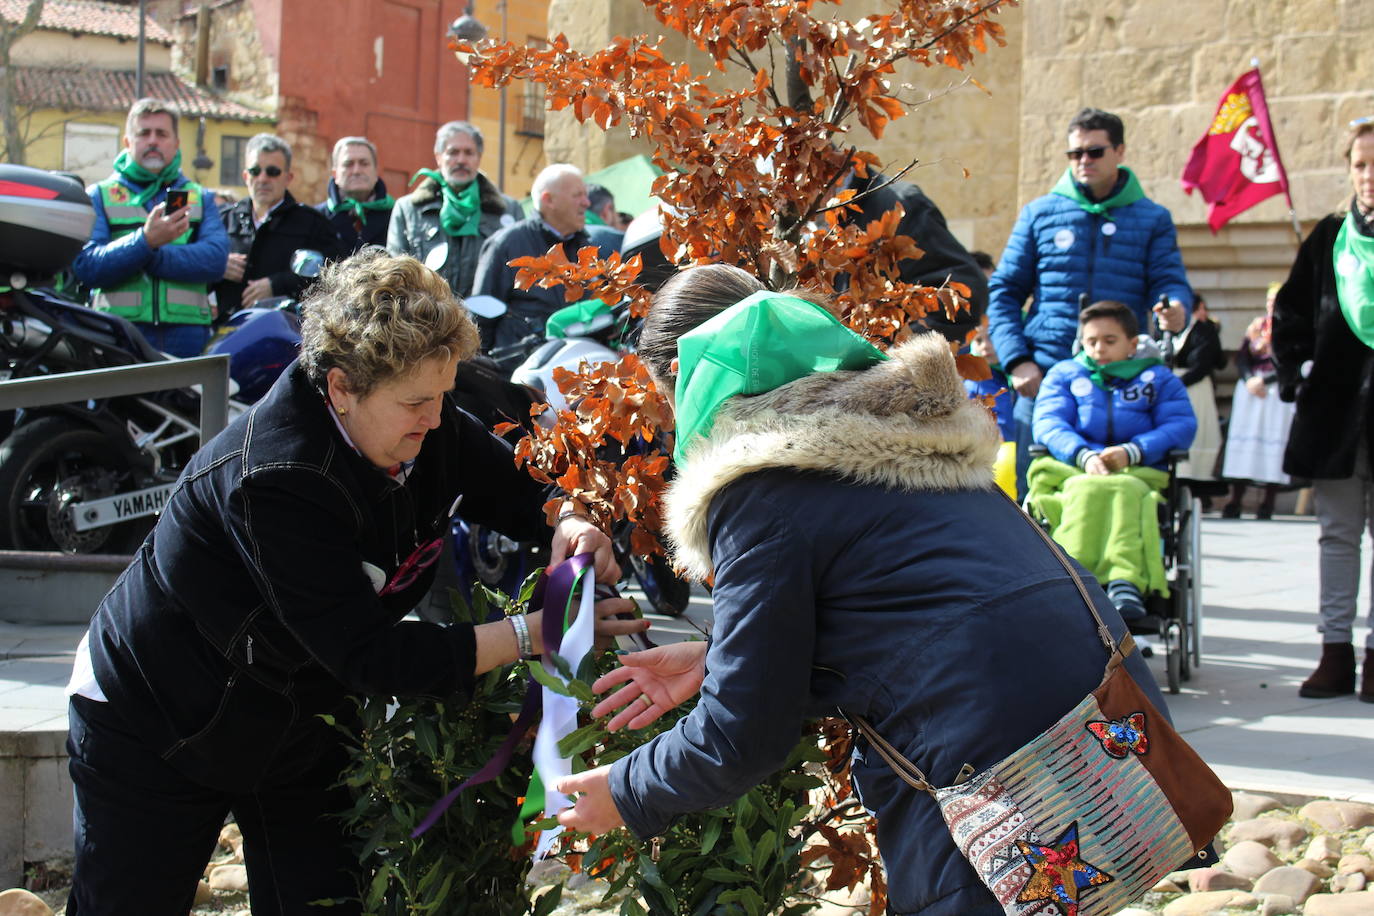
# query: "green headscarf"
[[462, 206], [1122, 368], [1353, 259], [359, 208], [757, 344], [1130, 192], [126, 166]]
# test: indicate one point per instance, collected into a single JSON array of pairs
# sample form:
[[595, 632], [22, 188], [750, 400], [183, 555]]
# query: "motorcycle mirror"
[[307, 262], [485, 306]]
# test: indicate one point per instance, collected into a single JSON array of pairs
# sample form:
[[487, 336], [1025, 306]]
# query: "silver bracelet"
[[524, 646]]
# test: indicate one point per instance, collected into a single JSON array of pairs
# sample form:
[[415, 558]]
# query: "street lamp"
[[468, 28]]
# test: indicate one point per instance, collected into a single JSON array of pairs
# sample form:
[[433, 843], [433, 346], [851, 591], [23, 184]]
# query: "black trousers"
[[144, 831]]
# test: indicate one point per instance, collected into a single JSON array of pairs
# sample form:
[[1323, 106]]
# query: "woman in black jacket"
[[272, 589], [1322, 346]]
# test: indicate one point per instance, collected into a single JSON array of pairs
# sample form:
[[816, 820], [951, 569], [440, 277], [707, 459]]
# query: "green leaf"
[[767, 846], [743, 847], [584, 738], [426, 738], [548, 900], [582, 691], [630, 907], [710, 834], [561, 664], [548, 680], [728, 875]]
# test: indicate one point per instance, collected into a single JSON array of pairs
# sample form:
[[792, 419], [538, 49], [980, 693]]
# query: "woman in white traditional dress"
[[1258, 432]]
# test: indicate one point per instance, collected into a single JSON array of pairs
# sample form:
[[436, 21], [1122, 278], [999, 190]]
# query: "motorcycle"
[[86, 477], [593, 332]]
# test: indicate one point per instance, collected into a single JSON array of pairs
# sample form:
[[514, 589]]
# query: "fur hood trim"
[[905, 423]]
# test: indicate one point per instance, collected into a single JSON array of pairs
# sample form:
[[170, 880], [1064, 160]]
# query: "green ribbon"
[[126, 166], [757, 344], [1130, 192], [1353, 259], [360, 208], [1122, 368], [462, 206]]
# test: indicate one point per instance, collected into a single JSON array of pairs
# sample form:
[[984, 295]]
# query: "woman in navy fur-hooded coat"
[[863, 560]]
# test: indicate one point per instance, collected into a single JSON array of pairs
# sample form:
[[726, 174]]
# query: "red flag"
[[1236, 164]]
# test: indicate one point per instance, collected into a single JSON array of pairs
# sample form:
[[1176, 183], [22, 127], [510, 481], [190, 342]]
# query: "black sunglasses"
[[274, 171], [1092, 152]]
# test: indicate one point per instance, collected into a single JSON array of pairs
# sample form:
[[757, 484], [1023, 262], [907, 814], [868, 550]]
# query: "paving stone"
[[1274, 832], [1277, 905], [1361, 904], [204, 894], [1337, 816], [1209, 903], [18, 902], [1214, 879], [1323, 848], [229, 878], [1289, 880], [1358, 862], [1320, 869], [1250, 859], [1248, 805]]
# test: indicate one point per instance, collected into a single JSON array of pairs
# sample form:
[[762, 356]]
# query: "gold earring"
[[341, 410]]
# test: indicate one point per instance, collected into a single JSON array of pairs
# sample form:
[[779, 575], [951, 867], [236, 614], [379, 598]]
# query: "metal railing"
[[211, 373]]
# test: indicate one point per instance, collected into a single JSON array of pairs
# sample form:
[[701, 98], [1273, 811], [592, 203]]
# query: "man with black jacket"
[[560, 204], [266, 228], [945, 257], [357, 204]]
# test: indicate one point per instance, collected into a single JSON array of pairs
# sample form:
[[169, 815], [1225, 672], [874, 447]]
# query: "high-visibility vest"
[[152, 300]]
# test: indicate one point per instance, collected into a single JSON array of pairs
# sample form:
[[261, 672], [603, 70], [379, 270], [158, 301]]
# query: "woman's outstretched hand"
[[654, 680], [594, 810]]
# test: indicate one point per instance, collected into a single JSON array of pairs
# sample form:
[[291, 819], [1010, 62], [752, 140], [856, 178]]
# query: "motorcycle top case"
[[45, 218]]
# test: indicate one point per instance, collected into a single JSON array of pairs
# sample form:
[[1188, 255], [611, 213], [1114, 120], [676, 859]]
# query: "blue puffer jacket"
[[103, 262], [1151, 411], [1057, 251], [864, 561]]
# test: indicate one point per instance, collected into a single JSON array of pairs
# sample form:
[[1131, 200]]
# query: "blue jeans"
[[144, 831], [180, 340]]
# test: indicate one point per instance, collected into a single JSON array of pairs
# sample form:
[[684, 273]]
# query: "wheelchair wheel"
[[1195, 564], [1174, 652]]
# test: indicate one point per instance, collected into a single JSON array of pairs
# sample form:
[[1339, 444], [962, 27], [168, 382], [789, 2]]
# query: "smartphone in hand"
[[177, 199]]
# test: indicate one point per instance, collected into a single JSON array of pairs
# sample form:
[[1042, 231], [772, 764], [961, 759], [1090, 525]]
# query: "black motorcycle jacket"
[[274, 584]]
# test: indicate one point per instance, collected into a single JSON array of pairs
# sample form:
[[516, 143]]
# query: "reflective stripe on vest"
[[181, 295]]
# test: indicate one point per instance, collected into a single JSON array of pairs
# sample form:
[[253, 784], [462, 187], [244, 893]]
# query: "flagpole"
[[1292, 211]]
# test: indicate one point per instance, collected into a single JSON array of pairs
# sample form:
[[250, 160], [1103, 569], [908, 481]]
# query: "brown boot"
[[1335, 675], [1367, 685]]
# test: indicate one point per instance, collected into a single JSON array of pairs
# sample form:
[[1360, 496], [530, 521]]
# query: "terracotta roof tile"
[[88, 17], [114, 90]]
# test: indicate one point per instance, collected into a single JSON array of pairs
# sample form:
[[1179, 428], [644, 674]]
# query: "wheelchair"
[[1176, 620]]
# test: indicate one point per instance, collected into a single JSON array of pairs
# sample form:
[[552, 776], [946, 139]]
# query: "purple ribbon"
[[555, 587]]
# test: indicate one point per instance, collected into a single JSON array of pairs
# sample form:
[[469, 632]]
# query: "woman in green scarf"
[[1323, 332]]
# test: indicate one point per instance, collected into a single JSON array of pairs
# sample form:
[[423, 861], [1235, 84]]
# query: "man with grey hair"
[[268, 227], [152, 253], [357, 204], [445, 220], [560, 204]]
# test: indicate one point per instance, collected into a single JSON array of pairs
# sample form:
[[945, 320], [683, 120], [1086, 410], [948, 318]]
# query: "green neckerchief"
[[1353, 259], [594, 220], [1122, 368], [462, 206], [1130, 192], [359, 208], [758, 344], [125, 165]]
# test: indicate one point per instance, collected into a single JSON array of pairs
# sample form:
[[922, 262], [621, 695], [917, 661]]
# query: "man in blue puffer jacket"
[[1095, 233], [1114, 418]]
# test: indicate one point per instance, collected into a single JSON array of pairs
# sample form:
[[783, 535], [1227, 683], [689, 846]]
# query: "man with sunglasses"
[[1094, 234], [266, 228], [152, 253]]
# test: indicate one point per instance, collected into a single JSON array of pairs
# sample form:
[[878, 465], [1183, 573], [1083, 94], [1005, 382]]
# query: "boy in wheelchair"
[[1109, 420]]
